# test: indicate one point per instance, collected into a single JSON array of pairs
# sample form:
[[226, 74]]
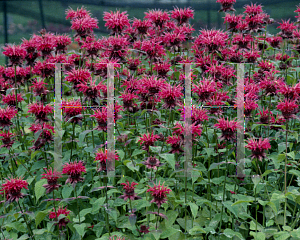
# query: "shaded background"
[[21, 19]]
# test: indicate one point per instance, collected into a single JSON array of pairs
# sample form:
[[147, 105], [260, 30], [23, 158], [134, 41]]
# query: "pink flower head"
[[250, 105], [205, 89], [116, 21], [286, 29], [10, 99], [63, 221], [46, 135], [258, 147], [40, 111], [101, 116], [12, 189], [6, 114], [80, 13], [128, 103], [288, 108], [116, 47], [162, 68], [73, 110], [153, 48], [171, 95], [274, 41], [84, 26], [102, 158], [253, 9], [144, 229], [77, 76], [227, 5], [45, 43], [52, 176], [39, 88], [7, 139], [211, 40], [158, 17], [233, 20], [182, 15], [228, 128], [91, 90], [148, 140], [152, 163], [129, 191], [62, 41], [159, 194], [15, 53], [176, 143], [141, 26], [74, 170]]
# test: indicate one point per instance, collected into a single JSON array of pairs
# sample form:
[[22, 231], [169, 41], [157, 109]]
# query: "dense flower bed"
[[150, 196]]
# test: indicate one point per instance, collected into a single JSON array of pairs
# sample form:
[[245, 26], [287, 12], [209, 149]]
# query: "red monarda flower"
[[128, 103], [182, 15], [39, 89], [72, 108], [153, 48], [232, 20], [170, 95], [84, 26], [258, 147], [7, 139], [46, 135], [176, 142], [40, 111], [116, 47], [74, 170], [77, 76], [80, 13], [116, 21], [253, 9], [101, 116], [148, 140], [159, 194], [158, 17], [288, 108], [152, 163], [141, 26], [63, 221], [228, 128], [52, 176], [286, 29], [211, 40], [12, 189], [250, 105], [227, 5], [204, 89], [62, 41], [102, 157], [10, 99], [129, 191], [6, 114], [144, 229], [15, 53]]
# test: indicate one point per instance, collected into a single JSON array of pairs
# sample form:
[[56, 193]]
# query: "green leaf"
[[85, 212], [169, 158], [230, 234], [33, 154], [82, 136], [40, 217], [121, 154], [20, 227], [156, 234], [80, 228], [98, 204], [140, 203], [137, 152], [292, 155], [194, 209], [169, 232], [281, 235], [197, 230], [66, 192], [210, 151], [258, 235], [241, 201], [39, 189]]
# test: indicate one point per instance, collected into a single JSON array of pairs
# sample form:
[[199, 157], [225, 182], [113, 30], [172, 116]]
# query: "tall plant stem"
[[72, 141], [106, 199], [285, 171], [78, 208], [223, 192], [25, 218], [157, 218]]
